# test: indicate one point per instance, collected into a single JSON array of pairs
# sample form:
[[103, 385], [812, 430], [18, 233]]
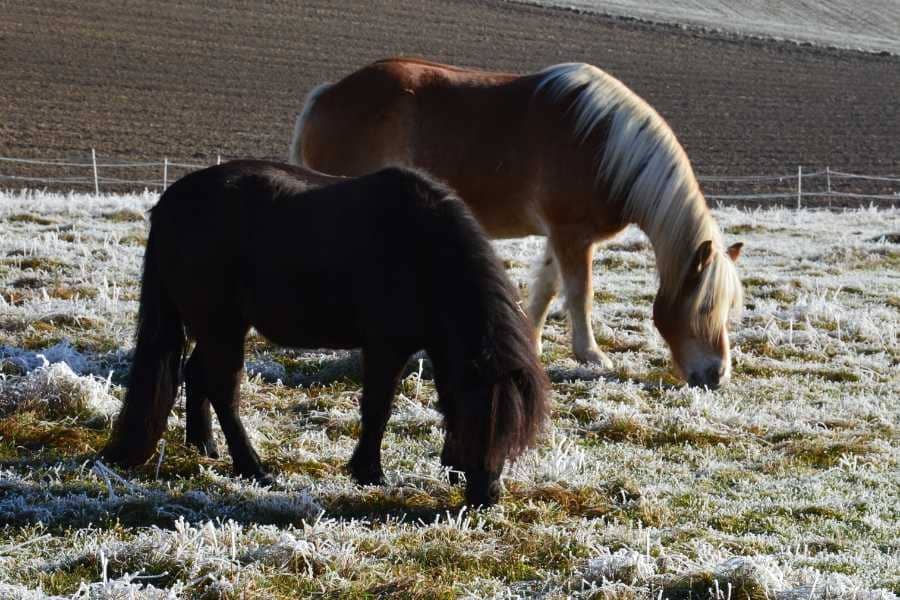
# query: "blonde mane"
[[642, 166]]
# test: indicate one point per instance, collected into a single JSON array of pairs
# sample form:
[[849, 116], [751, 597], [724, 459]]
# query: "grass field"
[[785, 484]]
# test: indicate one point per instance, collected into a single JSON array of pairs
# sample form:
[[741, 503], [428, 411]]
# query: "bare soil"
[[191, 80]]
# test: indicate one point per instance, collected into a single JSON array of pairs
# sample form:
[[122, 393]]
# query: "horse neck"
[[675, 226]]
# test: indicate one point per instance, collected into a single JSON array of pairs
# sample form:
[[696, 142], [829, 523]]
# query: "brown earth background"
[[193, 80]]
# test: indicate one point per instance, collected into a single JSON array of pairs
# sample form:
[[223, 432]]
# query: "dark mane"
[[491, 328]]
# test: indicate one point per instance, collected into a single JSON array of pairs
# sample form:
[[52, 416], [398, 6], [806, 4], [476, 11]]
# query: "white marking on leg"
[[545, 287]]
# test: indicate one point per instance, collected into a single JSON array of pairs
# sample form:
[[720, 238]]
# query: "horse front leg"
[[575, 253], [449, 459], [381, 373], [198, 417], [545, 287]]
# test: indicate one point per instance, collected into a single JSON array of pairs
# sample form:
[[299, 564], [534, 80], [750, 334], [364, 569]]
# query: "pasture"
[[783, 484]]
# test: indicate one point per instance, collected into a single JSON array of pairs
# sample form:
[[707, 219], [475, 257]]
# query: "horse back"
[[485, 133], [328, 266]]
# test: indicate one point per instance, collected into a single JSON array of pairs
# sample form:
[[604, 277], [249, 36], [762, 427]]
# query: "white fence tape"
[[796, 179]]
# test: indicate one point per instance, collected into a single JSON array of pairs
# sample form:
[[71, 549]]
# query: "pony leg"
[[224, 365], [449, 460], [381, 373], [198, 426], [543, 290], [575, 257], [482, 487]]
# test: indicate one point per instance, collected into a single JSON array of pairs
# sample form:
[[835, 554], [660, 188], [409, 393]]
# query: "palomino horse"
[[390, 262], [569, 153]]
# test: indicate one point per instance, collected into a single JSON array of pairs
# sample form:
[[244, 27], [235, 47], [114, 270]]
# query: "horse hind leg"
[[223, 362], [545, 287], [198, 426], [381, 373], [575, 255]]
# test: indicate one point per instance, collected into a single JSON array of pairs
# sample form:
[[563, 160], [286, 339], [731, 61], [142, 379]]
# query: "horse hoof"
[[455, 477], [482, 489], [264, 479], [366, 475], [594, 357], [208, 449], [481, 497], [121, 455], [369, 478]]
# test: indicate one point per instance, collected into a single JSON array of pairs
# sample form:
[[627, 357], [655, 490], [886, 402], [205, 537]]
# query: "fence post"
[[165, 173], [96, 179], [799, 185], [218, 159]]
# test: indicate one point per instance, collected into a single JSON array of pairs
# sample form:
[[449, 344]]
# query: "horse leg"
[[575, 254], [198, 426], [381, 373], [448, 459], [482, 487], [223, 361], [543, 290]]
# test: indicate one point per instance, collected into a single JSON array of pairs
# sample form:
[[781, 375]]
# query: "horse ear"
[[703, 256], [734, 251]]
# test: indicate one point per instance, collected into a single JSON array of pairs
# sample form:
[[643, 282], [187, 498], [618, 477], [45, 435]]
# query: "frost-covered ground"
[[872, 25], [785, 484]]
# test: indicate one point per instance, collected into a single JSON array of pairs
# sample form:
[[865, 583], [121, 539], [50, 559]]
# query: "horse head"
[[694, 321]]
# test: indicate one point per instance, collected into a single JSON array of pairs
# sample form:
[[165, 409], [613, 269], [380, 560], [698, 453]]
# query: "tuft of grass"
[[823, 453], [743, 584], [31, 218], [38, 263], [28, 283], [123, 215], [578, 501], [24, 434], [133, 239]]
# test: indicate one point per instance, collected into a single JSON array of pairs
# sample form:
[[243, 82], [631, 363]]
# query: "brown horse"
[[391, 263], [569, 153]]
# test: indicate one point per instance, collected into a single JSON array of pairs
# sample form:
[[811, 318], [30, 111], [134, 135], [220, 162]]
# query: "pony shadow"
[[130, 503]]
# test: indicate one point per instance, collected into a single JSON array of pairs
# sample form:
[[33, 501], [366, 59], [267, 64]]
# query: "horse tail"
[[491, 344], [295, 152], [155, 369]]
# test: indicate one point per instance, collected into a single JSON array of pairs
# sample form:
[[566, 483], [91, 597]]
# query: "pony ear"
[[734, 251], [703, 256]]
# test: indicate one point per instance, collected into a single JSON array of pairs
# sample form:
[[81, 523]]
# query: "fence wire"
[[799, 192]]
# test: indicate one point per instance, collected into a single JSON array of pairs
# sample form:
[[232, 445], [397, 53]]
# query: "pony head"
[[694, 318]]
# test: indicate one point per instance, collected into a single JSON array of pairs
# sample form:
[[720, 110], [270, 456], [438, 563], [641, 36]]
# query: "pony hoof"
[[595, 357], [366, 475], [264, 479], [484, 497], [122, 456], [482, 489], [207, 448]]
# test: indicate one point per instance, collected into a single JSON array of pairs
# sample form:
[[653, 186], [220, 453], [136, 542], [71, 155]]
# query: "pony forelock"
[[718, 298]]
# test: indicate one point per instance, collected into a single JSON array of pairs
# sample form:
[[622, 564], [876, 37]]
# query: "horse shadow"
[[133, 503]]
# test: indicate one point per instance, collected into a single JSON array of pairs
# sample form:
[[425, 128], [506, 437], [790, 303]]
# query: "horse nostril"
[[695, 380]]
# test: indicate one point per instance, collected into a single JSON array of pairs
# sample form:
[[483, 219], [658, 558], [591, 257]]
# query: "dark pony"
[[391, 263]]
